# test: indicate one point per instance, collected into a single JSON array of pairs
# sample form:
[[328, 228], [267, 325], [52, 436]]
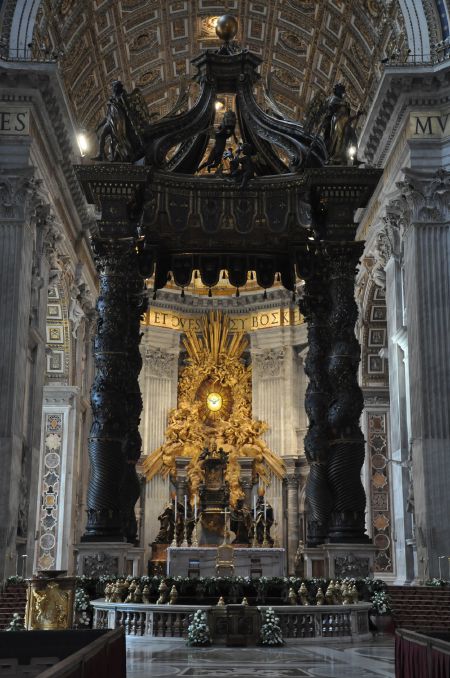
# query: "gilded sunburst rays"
[[214, 408]]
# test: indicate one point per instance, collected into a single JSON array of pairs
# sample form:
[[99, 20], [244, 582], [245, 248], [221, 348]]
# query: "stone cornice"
[[38, 86], [400, 88], [195, 304]]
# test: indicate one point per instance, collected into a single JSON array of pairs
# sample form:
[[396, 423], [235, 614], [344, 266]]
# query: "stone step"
[[420, 608], [12, 600]]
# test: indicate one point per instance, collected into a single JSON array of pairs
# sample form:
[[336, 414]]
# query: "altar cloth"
[[248, 562]]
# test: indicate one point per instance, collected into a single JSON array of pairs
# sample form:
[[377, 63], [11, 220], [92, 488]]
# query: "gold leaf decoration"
[[214, 410]]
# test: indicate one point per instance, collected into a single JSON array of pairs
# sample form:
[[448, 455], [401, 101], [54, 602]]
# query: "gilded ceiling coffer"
[[289, 212]]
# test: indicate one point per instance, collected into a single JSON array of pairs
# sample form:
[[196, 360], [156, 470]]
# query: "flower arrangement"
[[15, 579], [381, 603], [16, 623], [83, 608], [436, 582], [198, 631], [270, 633]]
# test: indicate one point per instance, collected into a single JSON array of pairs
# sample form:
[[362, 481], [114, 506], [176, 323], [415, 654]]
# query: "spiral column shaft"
[[110, 431], [315, 307], [131, 488], [346, 441]]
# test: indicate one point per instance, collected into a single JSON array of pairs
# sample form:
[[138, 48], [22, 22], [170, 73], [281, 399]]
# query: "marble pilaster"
[[246, 464], [425, 205], [292, 486], [400, 423], [275, 383], [159, 382], [17, 202], [56, 508], [390, 261], [278, 394]]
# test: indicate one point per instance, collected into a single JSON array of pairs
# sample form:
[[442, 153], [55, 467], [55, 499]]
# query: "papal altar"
[[247, 562]]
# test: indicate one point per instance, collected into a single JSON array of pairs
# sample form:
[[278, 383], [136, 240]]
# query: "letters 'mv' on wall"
[[430, 124], [14, 121]]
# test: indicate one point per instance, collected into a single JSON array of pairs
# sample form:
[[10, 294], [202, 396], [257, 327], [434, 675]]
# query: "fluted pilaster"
[[426, 221], [18, 200]]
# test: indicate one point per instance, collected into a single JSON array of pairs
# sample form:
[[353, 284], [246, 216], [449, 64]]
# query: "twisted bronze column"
[[131, 487], [346, 441], [314, 306], [115, 261]]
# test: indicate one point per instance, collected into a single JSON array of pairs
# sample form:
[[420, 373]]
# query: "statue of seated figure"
[[241, 523]]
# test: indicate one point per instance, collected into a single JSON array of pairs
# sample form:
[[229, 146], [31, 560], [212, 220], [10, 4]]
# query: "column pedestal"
[[96, 559], [337, 561]]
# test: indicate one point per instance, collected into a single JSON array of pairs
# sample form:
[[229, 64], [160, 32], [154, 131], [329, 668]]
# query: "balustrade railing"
[[432, 59], [28, 55], [171, 621]]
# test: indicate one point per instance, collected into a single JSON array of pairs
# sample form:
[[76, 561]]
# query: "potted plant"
[[198, 631], [381, 612]]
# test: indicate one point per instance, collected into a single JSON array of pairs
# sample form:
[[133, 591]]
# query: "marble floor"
[[166, 658]]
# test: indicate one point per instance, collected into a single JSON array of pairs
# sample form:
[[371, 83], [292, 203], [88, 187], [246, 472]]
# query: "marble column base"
[[336, 561], [95, 559]]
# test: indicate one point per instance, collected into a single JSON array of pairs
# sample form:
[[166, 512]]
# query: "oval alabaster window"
[[214, 402]]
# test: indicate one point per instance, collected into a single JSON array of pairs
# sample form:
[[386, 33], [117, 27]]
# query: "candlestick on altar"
[[174, 543], [24, 566], [185, 508], [195, 536], [254, 507], [185, 543], [226, 533], [265, 543], [254, 540], [195, 509]]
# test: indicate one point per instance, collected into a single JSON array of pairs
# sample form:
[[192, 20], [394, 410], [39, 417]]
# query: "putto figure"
[[225, 130], [247, 168]]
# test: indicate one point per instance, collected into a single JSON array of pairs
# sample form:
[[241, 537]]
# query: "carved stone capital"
[[19, 194], [160, 363], [268, 363], [388, 243], [425, 198]]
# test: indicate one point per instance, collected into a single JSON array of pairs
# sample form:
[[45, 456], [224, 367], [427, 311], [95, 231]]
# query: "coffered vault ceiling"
[[149, 43]]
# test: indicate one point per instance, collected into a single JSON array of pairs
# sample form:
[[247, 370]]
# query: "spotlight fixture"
[[83, 143]]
